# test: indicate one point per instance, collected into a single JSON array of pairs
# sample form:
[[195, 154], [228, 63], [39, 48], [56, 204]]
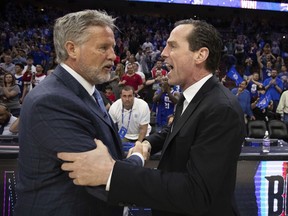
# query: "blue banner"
[[264, 101], [234, 75]]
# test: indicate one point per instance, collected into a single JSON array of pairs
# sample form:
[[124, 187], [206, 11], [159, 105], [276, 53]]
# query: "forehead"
[[101, 33], [180, 33], [124, 92]]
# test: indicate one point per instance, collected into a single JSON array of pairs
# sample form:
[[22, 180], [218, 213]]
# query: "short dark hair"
[[204, 35], [128, 88], [20, 65]]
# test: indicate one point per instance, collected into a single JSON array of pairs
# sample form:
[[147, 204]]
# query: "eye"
[[102, 48]]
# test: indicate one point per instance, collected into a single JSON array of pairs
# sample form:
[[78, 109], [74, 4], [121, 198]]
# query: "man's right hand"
[[143, 148]]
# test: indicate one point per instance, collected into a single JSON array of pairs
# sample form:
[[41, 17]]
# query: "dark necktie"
[[179, 108], [100, 102]]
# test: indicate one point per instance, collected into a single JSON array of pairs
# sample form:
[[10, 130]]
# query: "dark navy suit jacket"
[[60, 116]]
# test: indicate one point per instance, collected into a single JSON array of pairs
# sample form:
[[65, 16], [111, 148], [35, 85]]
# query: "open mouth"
[[169, 66], [108, 67]]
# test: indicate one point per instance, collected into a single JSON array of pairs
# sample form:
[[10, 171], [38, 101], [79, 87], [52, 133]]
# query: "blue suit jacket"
[[60, 116]]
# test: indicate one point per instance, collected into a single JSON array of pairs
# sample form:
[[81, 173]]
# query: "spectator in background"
[[265, 60], [29, 65], [244, 98], [20, 57], [10, 94], [278, 64], [158, 69], [115, 77], [125, 56], [19, 77], [131, 60], [132, 79], [254, 82], [248, 68], [27, 78], [144, 61], [147, 45], [266, 70], [136, 67], [38, 55], [52, 63], [283, 75], [282, 107], [110, 94], [263, 111], [39, 75], [274, 87], [275, 49], [7, 66], [165, 100], [132, 115], [147, 62], [6, 120], [14, 128]]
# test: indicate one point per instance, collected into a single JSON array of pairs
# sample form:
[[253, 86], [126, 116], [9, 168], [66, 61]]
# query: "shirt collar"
[[192, 90], [86, 85]]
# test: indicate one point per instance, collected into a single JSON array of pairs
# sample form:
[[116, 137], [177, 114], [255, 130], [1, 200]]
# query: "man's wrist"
[[108, 182]]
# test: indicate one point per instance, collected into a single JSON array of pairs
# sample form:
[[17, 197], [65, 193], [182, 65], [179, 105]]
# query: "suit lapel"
[[189, 111], [71, 83], [79, 90]]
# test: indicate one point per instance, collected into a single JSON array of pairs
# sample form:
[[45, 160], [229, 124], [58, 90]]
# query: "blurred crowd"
[[256, 49]]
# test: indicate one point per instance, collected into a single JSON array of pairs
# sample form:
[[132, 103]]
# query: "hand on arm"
[[9, 93], [90, 168]]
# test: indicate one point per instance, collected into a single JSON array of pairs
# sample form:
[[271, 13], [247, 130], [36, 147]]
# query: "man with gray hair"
[[64, 113]]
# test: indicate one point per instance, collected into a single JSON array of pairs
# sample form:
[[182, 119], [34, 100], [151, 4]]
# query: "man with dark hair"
[[132, 115], [274, 87], [197, 171]]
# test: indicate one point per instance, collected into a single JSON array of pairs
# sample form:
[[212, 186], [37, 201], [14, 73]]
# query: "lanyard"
[[128, 119]]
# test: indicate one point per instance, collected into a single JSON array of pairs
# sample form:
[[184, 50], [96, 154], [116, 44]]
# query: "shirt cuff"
[[107, 188], [141, 157]]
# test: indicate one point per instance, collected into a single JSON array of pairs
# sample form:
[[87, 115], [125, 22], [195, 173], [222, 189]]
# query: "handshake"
[[93, 168], [144, 148]]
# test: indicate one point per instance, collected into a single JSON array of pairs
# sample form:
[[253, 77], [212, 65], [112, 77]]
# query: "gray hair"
[[73, 27]]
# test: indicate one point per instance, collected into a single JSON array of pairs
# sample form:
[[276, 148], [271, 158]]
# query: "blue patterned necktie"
[[100, 102]]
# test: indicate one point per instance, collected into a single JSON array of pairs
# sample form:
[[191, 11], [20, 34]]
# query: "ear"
[[202, 55], [71, 49]]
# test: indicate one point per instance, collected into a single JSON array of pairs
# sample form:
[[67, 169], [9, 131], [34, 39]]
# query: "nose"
[[164, 53], [111, 54]]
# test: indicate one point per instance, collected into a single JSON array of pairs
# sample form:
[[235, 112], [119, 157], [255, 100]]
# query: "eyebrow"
[[171, 42]]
